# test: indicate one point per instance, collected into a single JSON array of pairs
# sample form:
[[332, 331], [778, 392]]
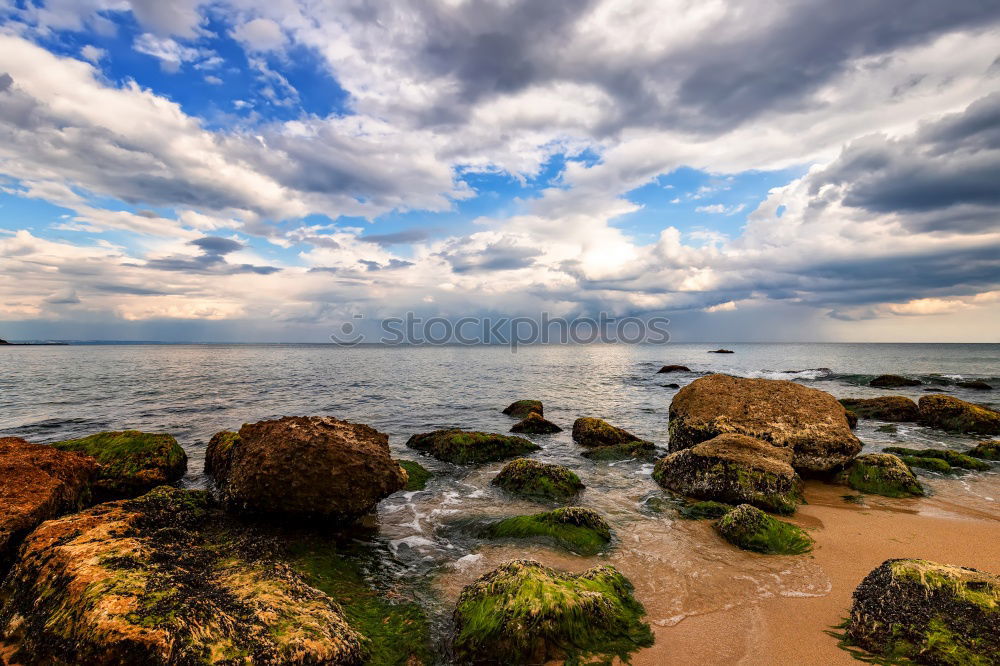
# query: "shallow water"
[[680, 568]]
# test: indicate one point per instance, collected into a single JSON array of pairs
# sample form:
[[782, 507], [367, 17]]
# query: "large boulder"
[[534, 478], [893, 381], [130, 462], [809, 422], [927, 612], [749, 528], [304, 466], [882, 474], [579, 530], [897, 408], [526, 613], [465, 447], [164, 579], [948, 413], [38, 483], [734, 469]]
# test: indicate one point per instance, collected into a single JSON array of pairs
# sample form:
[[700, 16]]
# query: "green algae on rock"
[[535, 424], [593, 432], [574, 528], [465, 447], [130, 462], [986, 450], [522, 408], [533, 478], [896, 408], [953, 458], [882, 474], [751, 529], [910, 610], [525, 613], [637, 449], [952, 414], [417, 475], [705, 509], [734, 469], [893, 381], [930, 464]]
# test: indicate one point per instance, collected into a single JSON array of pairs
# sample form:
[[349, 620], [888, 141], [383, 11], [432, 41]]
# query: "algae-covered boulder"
[[636, 449], [164, 579], [735, 469], [535, 424], [882, 474], [673, 368], [592, 432], [948, 413], [953, 458], [305, 466], [705, 509], [986, 450], [927, 613], [751, 529], [417, 475], [521, 408], [976, 385], [38, 482], [574, 528], [893, 381], [809, 422], [466, 447], [537, 479], [526, 613], [897, 408], [130, 462]]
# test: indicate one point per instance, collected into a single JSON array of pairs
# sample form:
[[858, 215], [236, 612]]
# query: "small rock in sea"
[[751, 529], [953, 458], [887, 427], [533, 478], [895, 408], [952, 414], [590, 432], [930, 613], [535, 424], [673, 368], [893, 381], [525, 613], [986, 450], [465, 447], [882, 474], [523, 408], [721, 351], [705, 509], [671, 386], [579, 530], [417, 475], [976, 385], [634, 449]]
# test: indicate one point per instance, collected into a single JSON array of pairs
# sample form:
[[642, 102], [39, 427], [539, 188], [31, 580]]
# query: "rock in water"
[[523, 408], [953, 458], [948, 413], [464, 447], [417, 475], [526, 613], [673, 368], [38, 483], [893, 381], [537, 479], [591, 432], [986, 450], [164, 579], [734, 469], [882, 474], [130, 462], [896, 408], [976, 385], [535, 424], [721, 351], [304, 466], [927, 612], [574, 528], [749, 528], [785, 414]]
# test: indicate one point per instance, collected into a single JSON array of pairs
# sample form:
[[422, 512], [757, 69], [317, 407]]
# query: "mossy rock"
[[893, 381], [986, 450], [522, 408], [953, 458], [537, 479], [751, 529], [417, 475], [887, 427], [465, 447], [593, 432], [637, 449], [908, 611], [931, 464], [954, 415], [525, 613], [895, 408], [130, 462], [882, 474], [706, 509], [673, 368], [574, 528], [535, 424]]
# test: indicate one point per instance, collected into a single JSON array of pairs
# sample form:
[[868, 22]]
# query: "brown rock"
[[893, 381], [591, 432], [948, 413], [897, 408], [673, 368]]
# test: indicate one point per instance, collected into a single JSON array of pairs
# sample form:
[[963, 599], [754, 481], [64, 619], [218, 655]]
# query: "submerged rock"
[[537, 479], [953, 458], [807, 421], [535, 424], [673, 368], [986, 450], [948, 413], [522, 408], [130, 462], [417, 475], [705, 509], [526, 613], [636, 449], [976, 385], [721, 351], [927, 612], [574, 528], [464, 447], [38, 483], [893, 381], [932, 464], [882, 474], [304, 466], [671, 386], [734, 469], [164, 579], [895, 408], [749, 528]]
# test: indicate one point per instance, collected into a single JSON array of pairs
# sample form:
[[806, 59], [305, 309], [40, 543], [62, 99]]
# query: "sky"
[[251, 170]]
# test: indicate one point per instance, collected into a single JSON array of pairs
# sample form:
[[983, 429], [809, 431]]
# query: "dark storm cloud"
[[217, 245], [211, 261], [502, 255]]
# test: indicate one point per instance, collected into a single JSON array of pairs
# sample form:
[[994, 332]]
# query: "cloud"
[[93, 53], [398, 237], [170, 53], [217, 245], [259, 34]]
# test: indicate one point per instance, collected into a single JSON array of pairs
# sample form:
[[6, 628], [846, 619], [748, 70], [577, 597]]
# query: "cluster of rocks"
[[898, 381], [940, 411]]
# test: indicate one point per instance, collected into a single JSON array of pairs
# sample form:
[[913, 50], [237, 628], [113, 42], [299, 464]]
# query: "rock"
[[722, 351], [526, 613], [705, 509], [976, 385], [948, 413], [417, 475], [537, 479], [130, 462], [304, 467], [535, 424], [749, 528], [852, 419], [464, 447], [591, 432], [893, 381], [4, 342], [582, 531], [927, 612], [896, 408], [932, 464], [882, 474], [673, 368], [783, 413], [164, 579], [38, 483], [953, 458], [522, 408], [986, 450], [637, 449], [734, 469], [671, 386], [887, 427]]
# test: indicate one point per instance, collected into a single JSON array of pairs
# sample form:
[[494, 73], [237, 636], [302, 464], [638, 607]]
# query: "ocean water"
[[679, 568]]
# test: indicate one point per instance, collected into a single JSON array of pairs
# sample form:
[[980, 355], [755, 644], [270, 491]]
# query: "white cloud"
[[259, 34], [93, 53]]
